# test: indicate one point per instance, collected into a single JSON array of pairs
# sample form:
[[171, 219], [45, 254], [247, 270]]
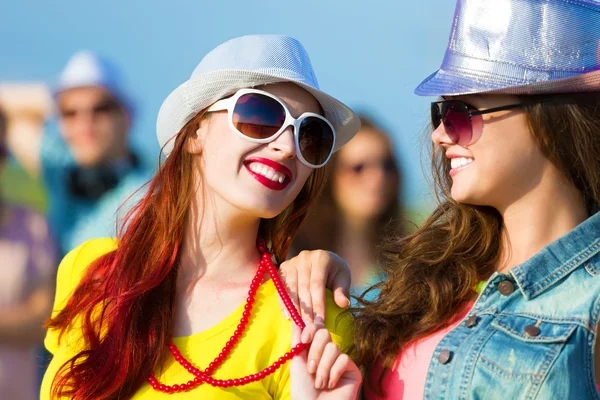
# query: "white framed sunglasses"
[[260, 117]]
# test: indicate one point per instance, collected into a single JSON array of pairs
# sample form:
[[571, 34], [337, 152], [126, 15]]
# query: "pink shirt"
[[406, 379]]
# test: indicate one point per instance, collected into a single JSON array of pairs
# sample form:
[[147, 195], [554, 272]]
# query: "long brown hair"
[[432, 272], [322, 227], [130, 292]]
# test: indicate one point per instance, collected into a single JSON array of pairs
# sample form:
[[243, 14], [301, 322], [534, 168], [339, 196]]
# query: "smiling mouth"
[[269, 173], [460, 162]]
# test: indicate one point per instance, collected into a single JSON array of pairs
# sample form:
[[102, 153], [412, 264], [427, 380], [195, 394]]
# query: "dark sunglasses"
[[457, 117], [387, 165], [260, 117], [101, 109]]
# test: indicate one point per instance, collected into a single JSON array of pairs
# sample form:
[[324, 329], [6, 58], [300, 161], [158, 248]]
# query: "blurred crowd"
[[90, 174]]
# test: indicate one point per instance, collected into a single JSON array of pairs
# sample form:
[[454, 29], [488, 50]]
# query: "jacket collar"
[[559, 258]]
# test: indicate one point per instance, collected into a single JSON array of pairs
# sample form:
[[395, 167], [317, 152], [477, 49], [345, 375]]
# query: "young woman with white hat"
[[182, 303], [497, 295]]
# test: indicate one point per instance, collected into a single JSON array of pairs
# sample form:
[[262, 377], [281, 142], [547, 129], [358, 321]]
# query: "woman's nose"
[[440, 137], [284, 144]]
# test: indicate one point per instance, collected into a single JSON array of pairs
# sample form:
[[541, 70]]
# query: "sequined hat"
[[520, 47]]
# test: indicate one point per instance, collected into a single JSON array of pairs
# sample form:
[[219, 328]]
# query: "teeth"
[[267, 172], [460, 162]]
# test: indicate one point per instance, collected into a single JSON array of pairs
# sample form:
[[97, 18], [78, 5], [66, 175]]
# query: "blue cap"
[[86, 69]]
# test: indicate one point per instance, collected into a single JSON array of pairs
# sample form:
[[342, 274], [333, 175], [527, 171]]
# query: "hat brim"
[[202, 91], [445, 83]]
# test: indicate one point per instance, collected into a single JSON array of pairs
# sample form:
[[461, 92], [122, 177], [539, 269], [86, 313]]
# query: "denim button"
[[532, 330], [471, 321], [506, 288], [444, 356]]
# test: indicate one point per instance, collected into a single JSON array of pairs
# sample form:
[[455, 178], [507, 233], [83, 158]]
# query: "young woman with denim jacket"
[[516, 165]]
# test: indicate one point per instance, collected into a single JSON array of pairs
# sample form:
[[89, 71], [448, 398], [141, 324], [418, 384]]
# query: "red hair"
[[125, 302]]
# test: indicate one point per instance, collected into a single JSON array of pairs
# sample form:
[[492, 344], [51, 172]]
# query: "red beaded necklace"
[[266, 264]]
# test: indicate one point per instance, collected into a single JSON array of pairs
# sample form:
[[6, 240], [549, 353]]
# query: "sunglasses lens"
[[106, 108], [358, 168], [457, 123], [316, 140], [389, 166], [258, 116], [436, 115]]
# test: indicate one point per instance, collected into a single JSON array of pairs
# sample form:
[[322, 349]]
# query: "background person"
[[360, 205], [88, 170], [28, 259]]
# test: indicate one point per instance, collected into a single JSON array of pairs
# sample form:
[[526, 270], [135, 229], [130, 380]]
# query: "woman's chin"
[[471, 200], [464, 195], [267, 211]]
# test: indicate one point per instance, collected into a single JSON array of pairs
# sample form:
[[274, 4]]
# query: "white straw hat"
[[246, 62]]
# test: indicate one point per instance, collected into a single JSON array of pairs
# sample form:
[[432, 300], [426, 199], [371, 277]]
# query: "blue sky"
[[369, 54]]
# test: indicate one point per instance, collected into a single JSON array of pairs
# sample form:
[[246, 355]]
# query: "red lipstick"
[[271, 184]]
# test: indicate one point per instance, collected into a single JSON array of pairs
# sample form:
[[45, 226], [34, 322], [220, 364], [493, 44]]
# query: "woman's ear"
[[195, 142]]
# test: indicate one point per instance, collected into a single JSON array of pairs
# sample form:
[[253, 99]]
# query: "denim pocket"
[[522, 349]]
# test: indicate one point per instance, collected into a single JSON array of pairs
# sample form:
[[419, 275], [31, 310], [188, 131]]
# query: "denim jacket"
[[531, 332]]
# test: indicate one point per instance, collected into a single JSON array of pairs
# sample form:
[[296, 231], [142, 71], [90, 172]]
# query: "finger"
[[282, 306], [298, 362], [318, 278], [296, 334], [343, 366], [317, 347], [284, 310], [339, 281], [304, 294], [308, 333], [290, 279], [330, 354], [296, 338], [341, 298], [303, 271]]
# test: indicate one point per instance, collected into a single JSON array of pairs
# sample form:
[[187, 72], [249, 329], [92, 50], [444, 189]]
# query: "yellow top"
[[267, 337]]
